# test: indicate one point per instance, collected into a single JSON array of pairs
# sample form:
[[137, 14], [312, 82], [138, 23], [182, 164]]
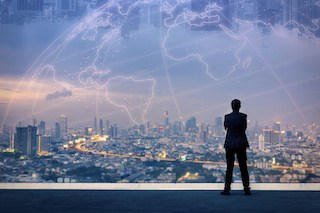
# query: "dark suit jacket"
[[236, 124]]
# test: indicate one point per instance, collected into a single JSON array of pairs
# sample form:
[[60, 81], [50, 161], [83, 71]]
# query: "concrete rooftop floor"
[[155, 201]]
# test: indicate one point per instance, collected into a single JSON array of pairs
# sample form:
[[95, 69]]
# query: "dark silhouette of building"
[[114, 131], [101, 127], [26, 140], [191, 125], [57, 130]]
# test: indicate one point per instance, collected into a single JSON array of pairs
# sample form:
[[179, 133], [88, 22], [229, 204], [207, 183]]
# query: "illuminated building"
[[88, 131], [261, 143], [26, 138], [43, 143]]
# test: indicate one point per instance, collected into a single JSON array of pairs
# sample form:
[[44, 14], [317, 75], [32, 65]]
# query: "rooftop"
[[141, 198]]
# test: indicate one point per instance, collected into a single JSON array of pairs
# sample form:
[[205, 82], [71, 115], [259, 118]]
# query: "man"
[[236, 143]]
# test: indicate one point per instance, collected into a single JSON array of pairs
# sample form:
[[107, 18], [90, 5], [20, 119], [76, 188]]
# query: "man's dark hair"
[[235, 105]]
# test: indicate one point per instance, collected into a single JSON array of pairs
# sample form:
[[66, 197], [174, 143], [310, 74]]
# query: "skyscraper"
[[26, 140], [276, 132], [95, 124], [114, 131], [42, 128], [101, 127], [88, 131], [43, 143], [261, 143], [191, 125], [57, 130], [267, 135], [166, 125], [218, 127], [63, 121]]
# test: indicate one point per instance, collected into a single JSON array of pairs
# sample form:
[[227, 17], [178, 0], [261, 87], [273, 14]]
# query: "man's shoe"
[[247, 192], [225, 192]]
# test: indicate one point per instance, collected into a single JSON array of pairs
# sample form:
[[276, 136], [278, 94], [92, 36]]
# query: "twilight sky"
[[85, 68]]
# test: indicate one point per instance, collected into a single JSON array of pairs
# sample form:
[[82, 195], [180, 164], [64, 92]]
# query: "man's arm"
[[225, 122], [245, 122]]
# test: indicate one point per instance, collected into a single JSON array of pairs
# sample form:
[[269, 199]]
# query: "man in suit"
[[236, 143]]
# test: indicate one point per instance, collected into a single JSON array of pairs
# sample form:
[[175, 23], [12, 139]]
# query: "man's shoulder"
[[236, 114], [243, 114]]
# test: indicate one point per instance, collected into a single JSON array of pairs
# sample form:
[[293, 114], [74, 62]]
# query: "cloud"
[[59, 94]]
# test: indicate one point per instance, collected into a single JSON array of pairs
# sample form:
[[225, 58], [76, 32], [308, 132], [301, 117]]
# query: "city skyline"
[[93, 67]]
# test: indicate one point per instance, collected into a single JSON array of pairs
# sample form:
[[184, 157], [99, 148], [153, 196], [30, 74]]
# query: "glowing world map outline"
[[89, 58]]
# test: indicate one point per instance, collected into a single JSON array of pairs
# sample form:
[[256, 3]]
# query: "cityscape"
[[165, 152], [135, 91]]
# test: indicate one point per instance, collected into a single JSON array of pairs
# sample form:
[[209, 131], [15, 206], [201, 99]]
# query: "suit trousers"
[[242, 160]]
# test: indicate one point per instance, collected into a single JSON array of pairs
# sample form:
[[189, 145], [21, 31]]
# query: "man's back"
[[236, 124]]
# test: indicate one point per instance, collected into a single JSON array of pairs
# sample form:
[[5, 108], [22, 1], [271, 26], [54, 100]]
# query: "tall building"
[[57, 130], [276, 137], [13, 141], [166, 124], [108, 126], [114, 131], [26, 139], [261, 143], [267, 135], [177, 128], [43, 143], [88, 131], [95, 124], [204, 130], [191, 125], [42, 128], [63, 121], [218, 127], [101, 127]]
